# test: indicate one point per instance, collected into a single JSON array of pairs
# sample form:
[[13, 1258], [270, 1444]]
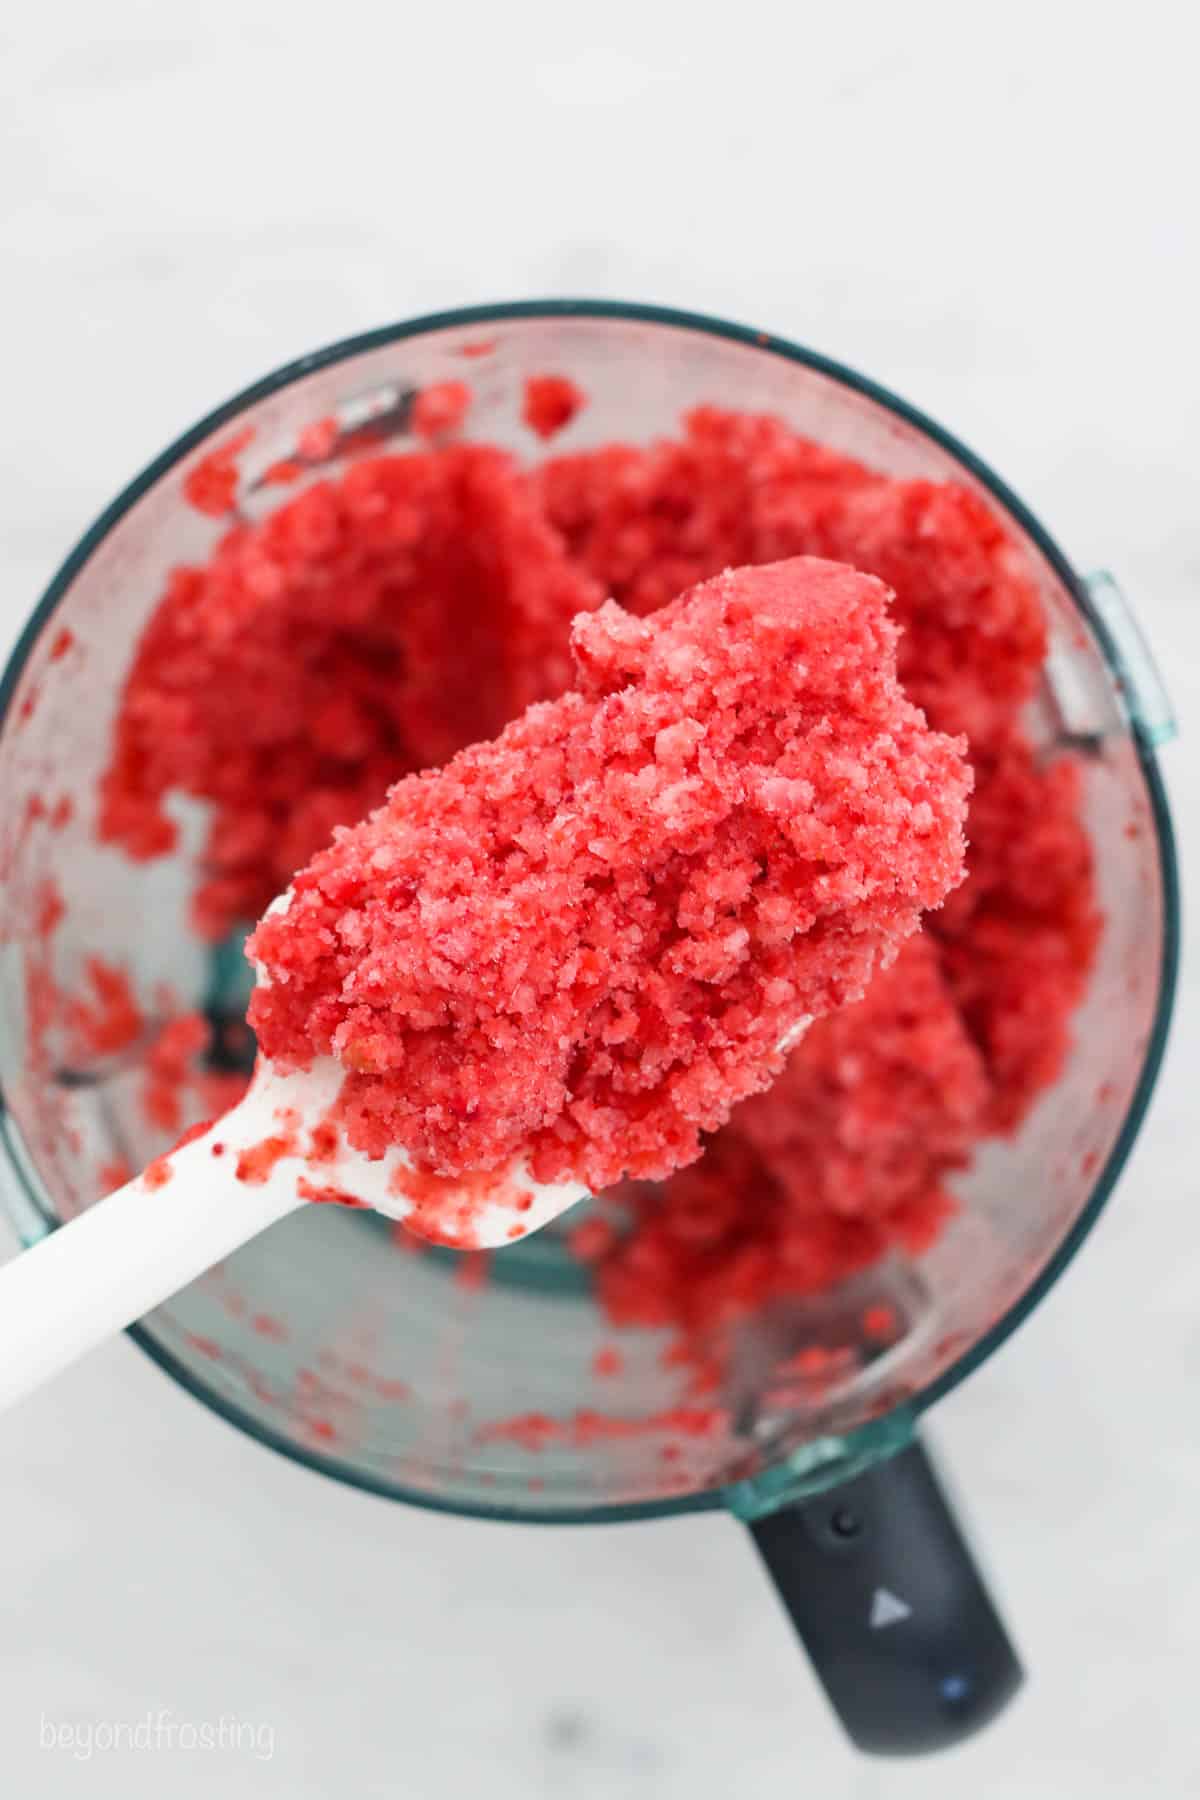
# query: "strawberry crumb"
[[324, 1196], [256, 1165], [322, 1143], [157, 1173], [879, 1321], [440, 409], [444, 1209], [114, 1175], [282, 473], [212, 486], [317, 440], [192, 1133], [551, 402]]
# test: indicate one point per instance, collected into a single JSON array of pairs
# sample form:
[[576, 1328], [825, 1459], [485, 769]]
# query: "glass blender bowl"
[[394, 1371]]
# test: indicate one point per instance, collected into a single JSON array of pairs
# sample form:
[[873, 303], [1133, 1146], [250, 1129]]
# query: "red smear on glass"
[[472, 1270], [267, 1326], [539, 1431], [50, 909]]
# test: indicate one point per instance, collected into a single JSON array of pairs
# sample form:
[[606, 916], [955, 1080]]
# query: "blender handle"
[[882, 1589]]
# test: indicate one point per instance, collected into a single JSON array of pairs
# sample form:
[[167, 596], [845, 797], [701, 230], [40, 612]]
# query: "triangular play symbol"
[[887, 1609]]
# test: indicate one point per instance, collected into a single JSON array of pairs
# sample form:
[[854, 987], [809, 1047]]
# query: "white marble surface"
[[999, 222]]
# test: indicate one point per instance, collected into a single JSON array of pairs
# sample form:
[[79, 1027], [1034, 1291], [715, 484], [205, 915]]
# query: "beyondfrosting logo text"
[[159, 1731]]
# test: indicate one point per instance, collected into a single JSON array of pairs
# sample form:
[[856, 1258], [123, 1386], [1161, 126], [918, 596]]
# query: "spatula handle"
[[92, 1277]]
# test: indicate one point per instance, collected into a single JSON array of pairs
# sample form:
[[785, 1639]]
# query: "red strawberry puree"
[[365, 629], [411, 604], [586, 940]]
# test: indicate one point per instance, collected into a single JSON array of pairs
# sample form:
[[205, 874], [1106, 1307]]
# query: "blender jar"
[[412, 1374]]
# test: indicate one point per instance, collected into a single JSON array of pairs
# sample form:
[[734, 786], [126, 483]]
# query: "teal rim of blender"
[[877, 1436]]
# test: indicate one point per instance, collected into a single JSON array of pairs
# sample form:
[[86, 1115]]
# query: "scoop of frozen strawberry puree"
[[585, 941]]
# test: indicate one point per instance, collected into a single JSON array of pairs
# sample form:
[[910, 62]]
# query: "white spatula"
[[189, 1209]]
